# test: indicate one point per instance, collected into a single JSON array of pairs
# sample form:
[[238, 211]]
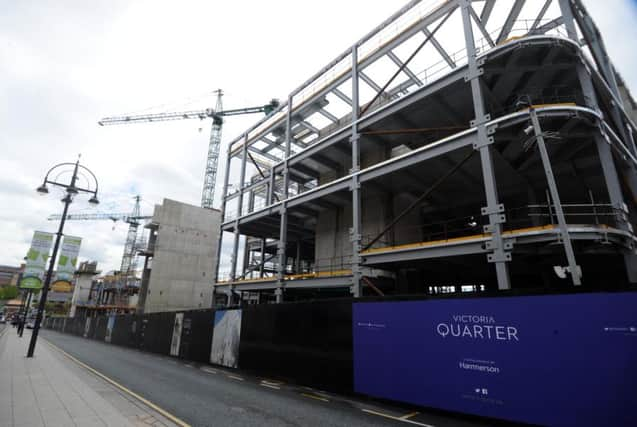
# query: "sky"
[[65, 64]]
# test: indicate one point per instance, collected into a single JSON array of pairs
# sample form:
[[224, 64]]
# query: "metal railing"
[[517, 219]]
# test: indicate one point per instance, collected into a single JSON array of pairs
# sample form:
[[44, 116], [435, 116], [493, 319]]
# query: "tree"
[[8, 292]]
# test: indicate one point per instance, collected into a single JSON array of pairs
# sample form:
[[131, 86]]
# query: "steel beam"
[[379, 90], [441, 50], [342, 96], [396, 60], [541, 14], [486, 11], [510, 21], [574, 269], [425, 252]]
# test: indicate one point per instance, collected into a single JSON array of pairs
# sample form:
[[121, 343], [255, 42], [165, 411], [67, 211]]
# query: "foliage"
[[8, 292]]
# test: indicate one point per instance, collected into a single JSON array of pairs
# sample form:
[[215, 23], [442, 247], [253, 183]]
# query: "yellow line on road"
[[313, 396], [412, 414], [382, 414], [147, 402]]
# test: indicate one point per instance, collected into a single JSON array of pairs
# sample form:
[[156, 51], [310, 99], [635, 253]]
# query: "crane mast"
[[129, 258], [216, 114], [212, 161]]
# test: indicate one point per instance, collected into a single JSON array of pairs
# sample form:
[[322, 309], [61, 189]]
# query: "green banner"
[[68, 258], [36, 259]]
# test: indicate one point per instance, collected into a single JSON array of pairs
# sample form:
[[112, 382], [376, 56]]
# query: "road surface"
[[203, 395]]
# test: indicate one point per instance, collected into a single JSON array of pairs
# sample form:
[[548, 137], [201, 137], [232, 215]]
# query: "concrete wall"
[[185, 252], [82, 290]]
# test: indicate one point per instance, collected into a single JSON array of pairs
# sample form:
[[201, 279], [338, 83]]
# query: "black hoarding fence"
[[309, 343], [156, 332], [121, 330], [196, 335], [100, 328]]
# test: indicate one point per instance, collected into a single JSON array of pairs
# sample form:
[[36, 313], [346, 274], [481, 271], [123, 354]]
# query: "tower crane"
[[216, 114], [133, 219]]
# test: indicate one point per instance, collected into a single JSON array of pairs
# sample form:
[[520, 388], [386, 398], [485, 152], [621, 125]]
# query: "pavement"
[[202, 395], [51, 390]]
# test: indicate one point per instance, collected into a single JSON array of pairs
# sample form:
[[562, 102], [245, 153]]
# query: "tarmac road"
[[203, 395]]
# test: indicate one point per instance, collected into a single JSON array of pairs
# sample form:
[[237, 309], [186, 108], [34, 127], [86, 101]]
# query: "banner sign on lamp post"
[[67, 260], [36, 260]]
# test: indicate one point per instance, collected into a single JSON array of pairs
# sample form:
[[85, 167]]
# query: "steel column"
[[235, 245], [262, 260], [283, 228], [355, 231], [224, 197], [574, 269], [605, 154], [495, 211]]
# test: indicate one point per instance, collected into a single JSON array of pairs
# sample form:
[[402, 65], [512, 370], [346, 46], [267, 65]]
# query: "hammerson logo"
[[478, 367], [370, 325], [477, 327]]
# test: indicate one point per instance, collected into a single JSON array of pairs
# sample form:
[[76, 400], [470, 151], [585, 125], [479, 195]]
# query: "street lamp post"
[[71, 190]]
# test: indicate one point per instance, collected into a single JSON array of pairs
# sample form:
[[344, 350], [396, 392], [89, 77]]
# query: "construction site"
[[459, 146], [441, 219], [115, 291]]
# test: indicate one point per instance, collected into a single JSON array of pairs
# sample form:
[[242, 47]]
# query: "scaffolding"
[[502, 158]]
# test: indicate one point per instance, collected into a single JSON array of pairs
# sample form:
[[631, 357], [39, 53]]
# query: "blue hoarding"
[[563, 360]]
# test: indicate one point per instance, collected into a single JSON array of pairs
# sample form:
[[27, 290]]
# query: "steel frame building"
[[507, 162]]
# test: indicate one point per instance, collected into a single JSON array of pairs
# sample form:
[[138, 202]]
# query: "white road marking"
[[272, 383], [404, 420], [271, 386]]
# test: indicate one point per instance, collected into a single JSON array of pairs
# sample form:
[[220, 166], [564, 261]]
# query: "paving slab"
[[50, 390]]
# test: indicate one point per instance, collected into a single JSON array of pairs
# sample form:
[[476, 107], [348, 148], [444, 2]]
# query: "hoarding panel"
[[225, 338], [176, 336], [109, 328], [568, 360]]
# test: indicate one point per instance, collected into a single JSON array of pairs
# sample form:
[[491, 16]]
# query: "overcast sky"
[[66, 64]]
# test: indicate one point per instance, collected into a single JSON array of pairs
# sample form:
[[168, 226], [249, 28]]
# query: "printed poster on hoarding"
[[225, 338], [559, 360], [109, 328], [67, 260], [36, 259], [87, 327], [176, 340]]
